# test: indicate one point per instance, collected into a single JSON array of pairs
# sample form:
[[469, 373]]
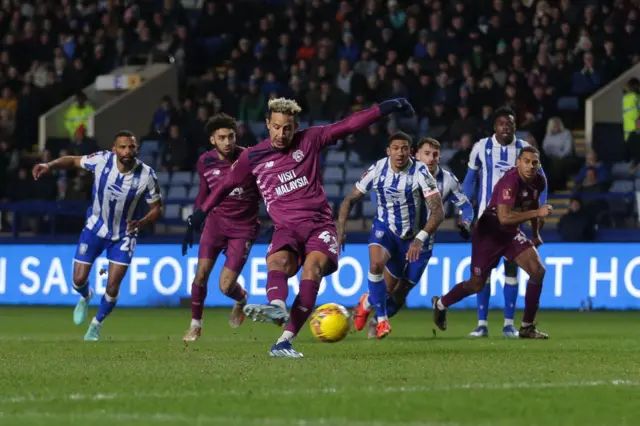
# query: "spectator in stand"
[[633, 148], [78, 114], [558, 148], [163, 117], [458, 164], [577, 225], [175, 151]]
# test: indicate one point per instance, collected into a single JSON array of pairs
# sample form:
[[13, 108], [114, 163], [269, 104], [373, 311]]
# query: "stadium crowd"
[[456, 61]]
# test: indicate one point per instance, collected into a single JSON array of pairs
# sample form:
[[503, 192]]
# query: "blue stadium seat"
[[172, 211], [369, 209], [193, 192], [177, 193], [332, 190], [259, 129], [621, 170], [637, 184], [333, 175], [568, 103], [195, 179], [147, 159], [304, 124], [181, 178], [423, 127], [522, 134], [263, 211], [622, 186], [354, 159], [164, 178], [163, 191], [149, 147], [336, 158], [346, 189], [353, 175]]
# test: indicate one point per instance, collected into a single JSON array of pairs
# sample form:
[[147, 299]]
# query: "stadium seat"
[[304, 124], [346, 189], [332, 190], [622, 186], [353, 175], [354, 159], [423, 127], [149, 147], [177, 193], [621, 170], [164, 178], [369, 209], [637, 188], [522, 134], [163, 191], [172, 211], [195, 179], [568, 103], [259, 129], [181, 178], [333, 175], [336, 158], [148, 159], [193, 192]]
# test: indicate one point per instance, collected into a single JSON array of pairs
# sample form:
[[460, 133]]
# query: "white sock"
[[366, 304], [508, 322], [382, 318], [483, 323], [287, 335], [94, 321], [280, 303], [196, 323], [439, 305], [526, 324]]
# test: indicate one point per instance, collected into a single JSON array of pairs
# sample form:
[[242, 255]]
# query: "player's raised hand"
[[414, 250], [545, 211], [40, 170]]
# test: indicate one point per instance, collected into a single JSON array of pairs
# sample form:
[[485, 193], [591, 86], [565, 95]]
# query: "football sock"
[[277, 287], [483, 304], [303, 305], [392, 307], [286, 335], [456, 294], [510, 292], [107, 303], [198, 295], [378, 295], [531, 302], [236, 292], [83, 290]]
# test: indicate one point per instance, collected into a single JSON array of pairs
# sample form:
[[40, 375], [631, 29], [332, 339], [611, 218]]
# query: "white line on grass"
[[314, 391], [110, 416]]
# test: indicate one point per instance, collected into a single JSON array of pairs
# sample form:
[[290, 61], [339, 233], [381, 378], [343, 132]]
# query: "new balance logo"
[[268, 165]]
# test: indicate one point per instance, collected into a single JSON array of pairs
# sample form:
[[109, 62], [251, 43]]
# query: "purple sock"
[[456, 294], [198, 294], [303, 305], [531, 301], [277, 287], [236, 292]]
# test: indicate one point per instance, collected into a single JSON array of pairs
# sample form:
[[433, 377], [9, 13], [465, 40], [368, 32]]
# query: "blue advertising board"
[[608, 273]]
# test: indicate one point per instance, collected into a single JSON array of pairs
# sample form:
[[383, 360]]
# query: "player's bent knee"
[[475, 284], [538, 272], [376, 268], [282, 261], [227, 283]]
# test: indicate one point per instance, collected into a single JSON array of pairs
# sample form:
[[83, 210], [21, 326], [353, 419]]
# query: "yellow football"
[[330, 322]]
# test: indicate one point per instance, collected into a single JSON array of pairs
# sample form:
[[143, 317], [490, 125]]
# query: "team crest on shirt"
[[216, 172], [83, 248], [135, 183], [506, 193], [379, 234], [298, 155], [409, 180]]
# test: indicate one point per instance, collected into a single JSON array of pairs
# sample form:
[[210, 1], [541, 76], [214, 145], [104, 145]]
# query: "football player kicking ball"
[[409, 213], [287, 169], [231, 228], [515, 200]]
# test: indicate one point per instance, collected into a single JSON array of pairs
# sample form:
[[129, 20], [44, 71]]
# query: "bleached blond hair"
[[284, 106]]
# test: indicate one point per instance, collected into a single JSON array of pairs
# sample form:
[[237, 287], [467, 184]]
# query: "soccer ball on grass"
[[330, 322]]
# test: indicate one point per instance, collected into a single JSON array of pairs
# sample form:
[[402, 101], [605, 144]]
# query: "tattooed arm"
[[345, 208]]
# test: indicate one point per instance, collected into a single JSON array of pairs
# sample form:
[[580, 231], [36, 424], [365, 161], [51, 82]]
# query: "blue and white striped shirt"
[[449, 187], [494, 160], [115, 195], [401, 196]]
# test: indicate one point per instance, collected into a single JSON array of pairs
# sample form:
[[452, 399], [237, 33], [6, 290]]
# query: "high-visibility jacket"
[[630, 112], [75, 117]]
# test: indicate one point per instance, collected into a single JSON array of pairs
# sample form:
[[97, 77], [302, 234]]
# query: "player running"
[[398, 287], [231, 228], [492, 157], [121, 181], [287, 169], [515, 200]]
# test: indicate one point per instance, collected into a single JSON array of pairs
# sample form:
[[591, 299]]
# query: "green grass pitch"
[[141, 373]]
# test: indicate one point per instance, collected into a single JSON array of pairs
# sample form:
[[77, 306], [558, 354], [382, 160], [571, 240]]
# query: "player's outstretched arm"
[[345, 208], [62, 163], [363, 119]]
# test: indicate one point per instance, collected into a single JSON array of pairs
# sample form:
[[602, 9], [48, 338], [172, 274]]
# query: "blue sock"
[[510, 298], [84, 290], [483, 304], [392, 307], [378, 294], [107, 303]]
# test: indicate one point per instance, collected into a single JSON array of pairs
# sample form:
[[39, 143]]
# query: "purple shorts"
[[304, 240], [213, 243], [490, 242]]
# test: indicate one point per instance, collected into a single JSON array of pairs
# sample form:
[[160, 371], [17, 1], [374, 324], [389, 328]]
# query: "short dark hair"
[[503, 112], [530, 149], [429, 141], [124, 134], [400, 136], [220, 121]]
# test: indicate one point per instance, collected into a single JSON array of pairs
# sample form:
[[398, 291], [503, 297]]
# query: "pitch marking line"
[[272, 393]]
